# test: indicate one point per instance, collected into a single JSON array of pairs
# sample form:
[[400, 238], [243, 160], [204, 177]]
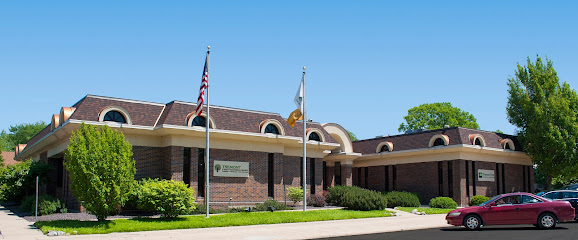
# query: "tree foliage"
[[436, 116], [1, 159], [19, 134], [101, 169], [545, 113], [168, 197], [19, 180], [352, 136]]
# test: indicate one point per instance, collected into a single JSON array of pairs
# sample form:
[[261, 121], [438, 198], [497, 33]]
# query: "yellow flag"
[[294, 116]]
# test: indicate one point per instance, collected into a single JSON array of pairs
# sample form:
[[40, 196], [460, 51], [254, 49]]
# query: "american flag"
[[204, 84]]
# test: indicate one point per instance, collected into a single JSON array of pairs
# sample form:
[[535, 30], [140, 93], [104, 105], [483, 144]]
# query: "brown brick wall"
[[148, 162]]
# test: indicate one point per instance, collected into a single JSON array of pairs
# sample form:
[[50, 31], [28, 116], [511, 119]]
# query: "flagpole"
[[303, 106], [207, 152]]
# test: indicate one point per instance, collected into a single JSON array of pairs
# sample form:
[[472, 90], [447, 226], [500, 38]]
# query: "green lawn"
[[186, 222], [426, 210]]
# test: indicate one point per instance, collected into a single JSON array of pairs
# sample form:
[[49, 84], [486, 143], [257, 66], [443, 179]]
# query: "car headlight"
[[454, 214]]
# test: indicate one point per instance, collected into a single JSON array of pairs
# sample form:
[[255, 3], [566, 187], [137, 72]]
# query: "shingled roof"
[[418, 140]]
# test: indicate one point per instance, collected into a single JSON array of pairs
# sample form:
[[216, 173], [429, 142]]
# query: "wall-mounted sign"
[[485, 175], [230, 169]]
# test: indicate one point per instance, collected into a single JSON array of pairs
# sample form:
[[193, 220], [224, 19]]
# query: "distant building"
[[169, 142], [9, 158]]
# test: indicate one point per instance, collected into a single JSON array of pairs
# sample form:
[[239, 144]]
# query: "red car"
[[513, 208]]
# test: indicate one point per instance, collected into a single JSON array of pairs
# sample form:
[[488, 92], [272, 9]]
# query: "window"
[[528, 199], [384, 148], [508, 200], [200, 121], [314, 136], [508, 144], [270, 128], [438, 142], [114, 116], [271, 175], [477, 139], [552, 195], [478, 142]]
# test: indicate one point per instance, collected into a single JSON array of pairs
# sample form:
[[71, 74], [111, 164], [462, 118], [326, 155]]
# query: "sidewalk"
[[403, 222], [14, 227]]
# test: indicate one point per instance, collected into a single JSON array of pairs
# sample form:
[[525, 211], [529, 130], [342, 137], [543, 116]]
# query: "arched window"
[[508, 144], [478, 142], [314, 137], [114, 116], [201, 121], [438, 142], [271, 128], [384, 147]]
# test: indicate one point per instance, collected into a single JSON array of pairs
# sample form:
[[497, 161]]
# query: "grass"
[[426, 210], [186, 222]]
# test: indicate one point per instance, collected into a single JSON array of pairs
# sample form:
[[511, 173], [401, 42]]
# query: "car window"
[[569, 195], [552, 195], [508, 200], [574, 194], [529, 199]]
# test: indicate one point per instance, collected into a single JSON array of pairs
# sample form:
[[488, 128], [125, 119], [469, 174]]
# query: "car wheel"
[[472, 222], [547, 220]]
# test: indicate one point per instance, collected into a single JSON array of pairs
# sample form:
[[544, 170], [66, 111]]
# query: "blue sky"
[[368, 62]]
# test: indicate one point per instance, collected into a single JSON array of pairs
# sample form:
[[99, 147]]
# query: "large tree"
[[545, 113], [437, 115], [101, 169], [19, 134]]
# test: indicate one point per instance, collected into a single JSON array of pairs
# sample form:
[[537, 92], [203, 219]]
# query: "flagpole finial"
[[303, 68], [209, 47]]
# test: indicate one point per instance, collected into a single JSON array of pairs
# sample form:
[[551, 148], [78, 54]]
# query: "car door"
[[504, 211], [529, 209], [571, 197]]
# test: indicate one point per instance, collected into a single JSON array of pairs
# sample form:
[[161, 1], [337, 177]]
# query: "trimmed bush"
[[46, 205], [402, 199], [167, 197], [271, 203], [478, 199], [356, 198], [443, 202], [295, 194], [316, 200]]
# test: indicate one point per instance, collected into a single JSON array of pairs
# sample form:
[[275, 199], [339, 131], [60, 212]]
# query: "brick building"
[[169, 142]]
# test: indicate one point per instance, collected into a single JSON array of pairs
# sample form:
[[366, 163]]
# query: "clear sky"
[[368, 62]]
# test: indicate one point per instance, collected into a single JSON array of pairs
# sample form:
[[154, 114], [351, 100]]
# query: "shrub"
[[316, 200], [443, 202], [295, 194], [19, 180], [356, 198], [101, 169], [168, 197], [402, 199], [335, 194], [271, 203], [478, 199], [46, 205]]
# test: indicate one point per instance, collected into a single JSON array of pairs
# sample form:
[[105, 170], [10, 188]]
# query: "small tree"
[[101, 169]]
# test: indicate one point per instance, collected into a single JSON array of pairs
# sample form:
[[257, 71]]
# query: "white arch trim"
[[315, 130], [506, 141], [192, 116], [340, 135], [444, 137], [121, 110], [277, 124], [473, 138], [381, 144]]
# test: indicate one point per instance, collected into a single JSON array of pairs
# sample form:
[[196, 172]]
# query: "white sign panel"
[[231, 169], [485, 175]]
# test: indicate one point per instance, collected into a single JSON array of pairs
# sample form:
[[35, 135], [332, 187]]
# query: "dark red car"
[[513, 208]]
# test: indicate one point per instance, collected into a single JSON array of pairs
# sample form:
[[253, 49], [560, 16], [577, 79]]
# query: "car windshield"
[[489, 201]]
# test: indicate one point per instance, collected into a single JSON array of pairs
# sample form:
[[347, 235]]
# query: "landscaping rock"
[[414, 211]]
